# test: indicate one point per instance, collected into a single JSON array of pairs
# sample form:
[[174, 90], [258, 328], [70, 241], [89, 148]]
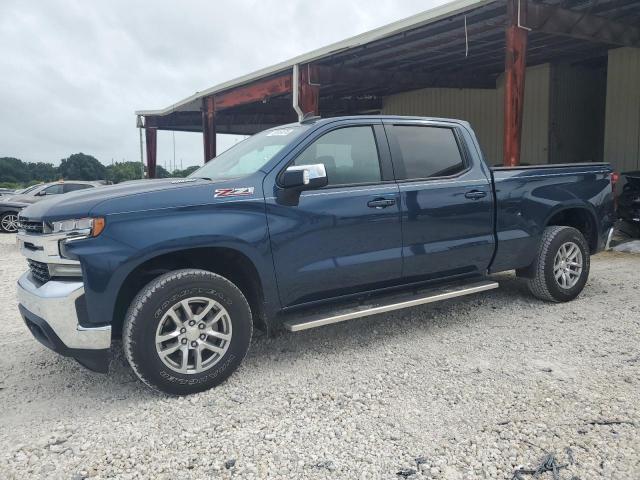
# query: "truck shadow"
[[375, 330], [63, 377]]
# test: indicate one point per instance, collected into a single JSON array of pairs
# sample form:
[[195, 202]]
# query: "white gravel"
[[628, 247], [472, 388]]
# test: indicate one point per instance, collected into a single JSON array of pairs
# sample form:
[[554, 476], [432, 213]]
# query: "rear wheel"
[[9, 222], [561, 268], [187, 331]]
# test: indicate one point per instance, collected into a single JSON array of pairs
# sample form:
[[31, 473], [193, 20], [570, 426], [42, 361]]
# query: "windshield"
[[250, 155], [28, 189]]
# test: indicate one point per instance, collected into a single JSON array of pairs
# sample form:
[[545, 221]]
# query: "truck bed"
[[528, 197]]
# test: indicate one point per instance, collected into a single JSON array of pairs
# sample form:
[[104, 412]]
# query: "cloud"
[[72, 72]]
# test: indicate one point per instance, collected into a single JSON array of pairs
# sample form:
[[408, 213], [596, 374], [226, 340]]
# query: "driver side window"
[[349, 155], [52, 190]]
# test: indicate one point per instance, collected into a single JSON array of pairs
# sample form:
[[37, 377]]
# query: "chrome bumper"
[[54, 303]]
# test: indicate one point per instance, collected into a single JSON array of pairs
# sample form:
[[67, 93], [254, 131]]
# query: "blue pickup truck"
[[299, 226]]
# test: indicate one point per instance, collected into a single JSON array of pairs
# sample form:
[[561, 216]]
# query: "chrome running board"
[[387, 304]]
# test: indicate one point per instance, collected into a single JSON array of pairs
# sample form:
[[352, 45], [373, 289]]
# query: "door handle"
[[475, 194], [381, 203]]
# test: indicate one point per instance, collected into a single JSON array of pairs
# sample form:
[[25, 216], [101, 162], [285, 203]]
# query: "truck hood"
[[131, 196]]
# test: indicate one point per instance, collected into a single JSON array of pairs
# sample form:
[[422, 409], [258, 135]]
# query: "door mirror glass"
[[305, 177]]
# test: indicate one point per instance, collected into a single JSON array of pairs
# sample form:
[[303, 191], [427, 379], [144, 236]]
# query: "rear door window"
[[426, 152], [72, 187]]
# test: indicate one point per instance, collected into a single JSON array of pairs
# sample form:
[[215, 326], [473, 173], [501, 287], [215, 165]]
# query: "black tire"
[[543, 283], [4, 222], [147, 311]]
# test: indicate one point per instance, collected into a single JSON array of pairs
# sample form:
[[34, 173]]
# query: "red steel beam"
[[515, 70], [309, 95], [151, 134], [209, 128], [254, 92]]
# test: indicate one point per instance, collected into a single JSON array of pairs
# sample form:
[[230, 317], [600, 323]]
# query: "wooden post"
[[309, 94], [209, 128], [514, 81], [151, 135]]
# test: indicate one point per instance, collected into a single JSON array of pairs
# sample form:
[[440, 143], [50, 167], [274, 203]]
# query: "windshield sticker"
[[281, 132], [233, 192]]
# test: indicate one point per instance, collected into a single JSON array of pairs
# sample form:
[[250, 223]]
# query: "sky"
[[73, 72]]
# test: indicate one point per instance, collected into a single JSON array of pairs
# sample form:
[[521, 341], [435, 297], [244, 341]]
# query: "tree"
[[13, 170], [82, 167], [162, 172], [123, 171], [44, 172], [186, 172]]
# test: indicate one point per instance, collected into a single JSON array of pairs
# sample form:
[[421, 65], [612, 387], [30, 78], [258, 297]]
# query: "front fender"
[[129, 240]]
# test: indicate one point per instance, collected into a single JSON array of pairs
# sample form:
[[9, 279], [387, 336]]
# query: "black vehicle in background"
[[629, 204], [11, 205]]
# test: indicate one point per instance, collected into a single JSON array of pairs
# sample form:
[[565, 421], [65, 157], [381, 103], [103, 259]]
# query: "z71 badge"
[[233, 192]]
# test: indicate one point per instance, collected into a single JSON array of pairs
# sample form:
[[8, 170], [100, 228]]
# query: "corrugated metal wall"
[[484, 109], [578, 98], [622, 129], [479, 107]]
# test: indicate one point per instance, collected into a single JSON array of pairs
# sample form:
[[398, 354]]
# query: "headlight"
[[64, 270], [84, 227]]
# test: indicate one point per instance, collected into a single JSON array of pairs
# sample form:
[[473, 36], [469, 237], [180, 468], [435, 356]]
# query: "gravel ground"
[[469, 388]]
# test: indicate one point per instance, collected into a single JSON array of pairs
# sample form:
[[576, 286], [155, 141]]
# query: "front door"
[[447, 202], [346, 237]]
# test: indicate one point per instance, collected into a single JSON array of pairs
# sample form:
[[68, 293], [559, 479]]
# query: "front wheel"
[[187, 331], [561, 268], [9, 222]]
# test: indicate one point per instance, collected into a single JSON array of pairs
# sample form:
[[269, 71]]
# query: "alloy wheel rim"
[[10, 223], [567, 265], [193, 335]]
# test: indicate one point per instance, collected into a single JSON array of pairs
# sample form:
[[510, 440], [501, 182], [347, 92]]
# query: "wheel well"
[[227, 262], [580, 219]]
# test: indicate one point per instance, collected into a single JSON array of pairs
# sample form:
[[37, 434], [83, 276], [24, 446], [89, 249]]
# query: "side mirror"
[[299, 178], [305, 177]]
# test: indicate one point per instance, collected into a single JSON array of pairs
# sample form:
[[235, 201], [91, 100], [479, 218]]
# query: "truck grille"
[[39, 271], [31, 227]]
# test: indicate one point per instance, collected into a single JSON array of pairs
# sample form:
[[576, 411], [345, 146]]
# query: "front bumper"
[[52, 310]]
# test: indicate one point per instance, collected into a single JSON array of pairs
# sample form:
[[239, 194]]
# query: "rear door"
[[343, 238], [446, 198]]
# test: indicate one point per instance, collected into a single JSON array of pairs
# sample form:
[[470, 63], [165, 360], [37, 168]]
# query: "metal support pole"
[[209, 128], [309, 92], [514, 80], [151, 137], [305, 94], [296, 91], [141, 152]]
